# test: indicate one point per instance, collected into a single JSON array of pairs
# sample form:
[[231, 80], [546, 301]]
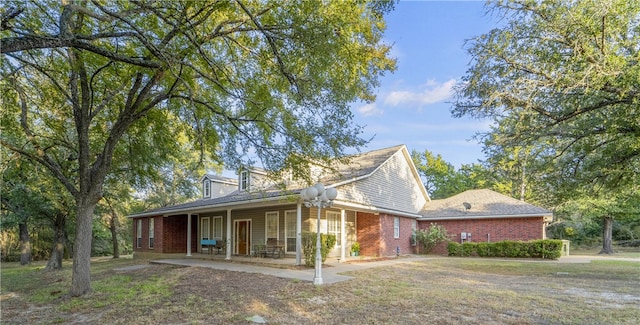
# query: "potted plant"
[[355, 249]]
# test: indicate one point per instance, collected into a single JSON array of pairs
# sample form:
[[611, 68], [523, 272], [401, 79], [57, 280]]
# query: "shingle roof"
[[358, 166], [483, 203]]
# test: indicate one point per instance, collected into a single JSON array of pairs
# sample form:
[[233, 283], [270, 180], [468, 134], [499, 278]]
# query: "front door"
[[242, 235]]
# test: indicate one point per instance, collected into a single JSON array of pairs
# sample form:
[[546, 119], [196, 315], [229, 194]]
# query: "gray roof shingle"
[[484, 203]]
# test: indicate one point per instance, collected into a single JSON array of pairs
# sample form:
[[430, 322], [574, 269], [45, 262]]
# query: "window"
[[151, 231], [206, 188], [217, 228], [139, 233], [204, 228], [244, 180], [271, 219], [290, 228], [333, 226], [396, 227]]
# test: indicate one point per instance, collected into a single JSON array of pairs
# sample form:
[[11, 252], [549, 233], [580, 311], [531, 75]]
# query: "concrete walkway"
[[331, 272]]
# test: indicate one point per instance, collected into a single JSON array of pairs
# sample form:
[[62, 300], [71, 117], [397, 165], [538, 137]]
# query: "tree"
[[563, 77], [103, 85]]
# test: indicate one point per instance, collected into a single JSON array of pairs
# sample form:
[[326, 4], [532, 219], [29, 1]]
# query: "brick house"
[[381, 200], [485, 216]]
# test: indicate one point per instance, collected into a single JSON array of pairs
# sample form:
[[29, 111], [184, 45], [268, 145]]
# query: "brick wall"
[[170, 235], [368, 233], [483, 230], [389, 244]]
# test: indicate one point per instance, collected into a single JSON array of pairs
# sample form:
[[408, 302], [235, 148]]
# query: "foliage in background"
[[560, 81], [431, 237], [309, 239]]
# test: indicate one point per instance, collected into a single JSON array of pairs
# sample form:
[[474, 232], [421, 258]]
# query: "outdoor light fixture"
[[318, 196]]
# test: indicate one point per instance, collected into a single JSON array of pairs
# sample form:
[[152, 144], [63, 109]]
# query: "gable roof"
[[481, 203], [219, 179], [358, 167]]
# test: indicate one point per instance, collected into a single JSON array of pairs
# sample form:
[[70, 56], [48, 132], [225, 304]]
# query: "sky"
[[413, 103]]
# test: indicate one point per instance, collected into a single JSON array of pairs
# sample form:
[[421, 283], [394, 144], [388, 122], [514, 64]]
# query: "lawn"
[[433, 291]]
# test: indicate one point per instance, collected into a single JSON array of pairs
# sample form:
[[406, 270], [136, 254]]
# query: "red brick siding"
[[375, 234], [523, 229], [169, 235], [368, 233], [389, 244]]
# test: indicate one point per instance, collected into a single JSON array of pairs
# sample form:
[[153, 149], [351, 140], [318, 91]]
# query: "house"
[[381, 201], [485, 216]]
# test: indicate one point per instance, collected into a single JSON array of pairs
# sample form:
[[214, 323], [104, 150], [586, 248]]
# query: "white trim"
[[396, 227], [213, 228], [271, 214], [151, 233], [235, 238], [292, 214]]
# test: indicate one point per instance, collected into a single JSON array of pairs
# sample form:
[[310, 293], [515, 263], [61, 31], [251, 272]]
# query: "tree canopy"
[[563, 75], [94, 86], [561, 80]]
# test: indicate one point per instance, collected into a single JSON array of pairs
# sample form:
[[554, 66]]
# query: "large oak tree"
[[103, 84], [563, 77]]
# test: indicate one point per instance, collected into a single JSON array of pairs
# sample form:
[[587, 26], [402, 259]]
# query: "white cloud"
[[370, 110], [432, 92]]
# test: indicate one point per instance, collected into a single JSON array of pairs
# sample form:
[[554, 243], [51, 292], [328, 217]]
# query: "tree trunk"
[[607, 230], [25, 244], [59, 242], [114, 234], [81, 274]]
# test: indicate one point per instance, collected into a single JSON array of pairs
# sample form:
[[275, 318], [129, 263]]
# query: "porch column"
[[343, 235], [189, 234], [229, 240], [299, 233]]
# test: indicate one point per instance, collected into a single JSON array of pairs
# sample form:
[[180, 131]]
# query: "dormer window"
[[206, 188], [244, 180]]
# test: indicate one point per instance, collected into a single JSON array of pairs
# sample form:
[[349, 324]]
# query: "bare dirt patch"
[[442, 291]]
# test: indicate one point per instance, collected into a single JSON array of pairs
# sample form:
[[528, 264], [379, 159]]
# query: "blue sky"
[[412, 105]]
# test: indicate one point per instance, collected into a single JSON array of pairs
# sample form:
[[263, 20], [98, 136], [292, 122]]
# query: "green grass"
[[434, 291]]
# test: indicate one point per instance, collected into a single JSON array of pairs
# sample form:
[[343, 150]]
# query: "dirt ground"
[[430, 292]]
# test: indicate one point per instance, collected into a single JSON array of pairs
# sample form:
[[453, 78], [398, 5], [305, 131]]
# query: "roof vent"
[[467, 205]]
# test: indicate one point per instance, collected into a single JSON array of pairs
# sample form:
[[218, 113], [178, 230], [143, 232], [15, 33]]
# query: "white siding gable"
[[394, 185]]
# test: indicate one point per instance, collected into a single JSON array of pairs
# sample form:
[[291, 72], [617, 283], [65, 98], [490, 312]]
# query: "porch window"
[[151, 231], [244, 180], [271, 220], [396, 227], [217, 228], [333, 226], [290, 223], [139, 233]]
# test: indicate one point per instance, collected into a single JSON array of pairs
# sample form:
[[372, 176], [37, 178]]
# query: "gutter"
[[467, 217]]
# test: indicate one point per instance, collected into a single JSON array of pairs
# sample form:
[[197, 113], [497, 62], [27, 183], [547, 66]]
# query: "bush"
[[327, 243], [431, 237], [547, 248]]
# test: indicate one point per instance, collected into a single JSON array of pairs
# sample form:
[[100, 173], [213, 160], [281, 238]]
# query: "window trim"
[[214, 228], [244, 180], [338, 219], [152, 232], [267, 215], [396, 227], [206, 188], [139, 233]]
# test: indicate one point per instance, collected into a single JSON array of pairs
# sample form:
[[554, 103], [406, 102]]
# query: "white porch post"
[[189, 234], [343, 235], [229, 241], [299, 233]]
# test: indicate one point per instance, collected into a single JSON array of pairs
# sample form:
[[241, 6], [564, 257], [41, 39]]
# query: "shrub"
[[548, 249], [327, 243], [431, 237]]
